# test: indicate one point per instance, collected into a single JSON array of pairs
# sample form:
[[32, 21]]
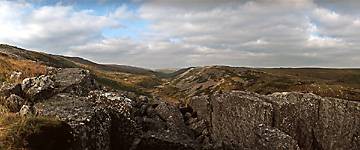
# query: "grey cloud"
[[258, 33], [52, 28], [244, 33]]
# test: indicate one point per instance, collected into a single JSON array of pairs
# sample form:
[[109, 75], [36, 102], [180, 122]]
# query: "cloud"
[[50, 27], [177, 33]]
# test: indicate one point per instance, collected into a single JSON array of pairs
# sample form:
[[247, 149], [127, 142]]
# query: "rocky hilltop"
[[77, 105]]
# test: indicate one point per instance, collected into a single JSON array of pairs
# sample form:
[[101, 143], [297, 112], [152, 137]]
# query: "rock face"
[[297, 114], [272, 138], [236, 115], [233, 117], [312, 121], [338, 126], [318, 123]]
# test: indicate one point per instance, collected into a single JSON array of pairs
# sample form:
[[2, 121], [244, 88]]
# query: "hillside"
[[58, 102], [115, 76], [339, 83]]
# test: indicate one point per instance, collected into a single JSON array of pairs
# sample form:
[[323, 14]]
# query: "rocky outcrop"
[[38, 88], [163, 127], [98, 118], [91, 124], [296, 114], [74, 80], [272, 138], [7, 89], [338, 125], [9, 97], [102, 119], [233, 117], [316, 122], [70, 80], [312, 121]]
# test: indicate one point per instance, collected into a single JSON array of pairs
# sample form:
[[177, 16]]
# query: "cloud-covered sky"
[[181, 33]]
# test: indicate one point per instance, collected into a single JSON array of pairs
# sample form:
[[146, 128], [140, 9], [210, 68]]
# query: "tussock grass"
[[16, 131], [28, 68]]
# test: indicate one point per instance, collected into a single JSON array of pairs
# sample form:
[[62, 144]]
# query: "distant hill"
[[179, 84], [339, 83], [116, 76], [59, 102], [112, 67]]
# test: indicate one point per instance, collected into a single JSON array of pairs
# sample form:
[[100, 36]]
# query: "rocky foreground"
[[96, 118]]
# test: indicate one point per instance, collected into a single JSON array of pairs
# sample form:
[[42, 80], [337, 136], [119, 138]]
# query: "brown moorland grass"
[[27, 68], [19, 132]]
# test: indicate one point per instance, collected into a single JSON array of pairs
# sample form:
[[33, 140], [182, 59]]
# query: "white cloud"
[[190, 33], [49, 27]]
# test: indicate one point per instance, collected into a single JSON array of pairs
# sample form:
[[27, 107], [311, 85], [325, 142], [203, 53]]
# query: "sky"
[[182, 33]]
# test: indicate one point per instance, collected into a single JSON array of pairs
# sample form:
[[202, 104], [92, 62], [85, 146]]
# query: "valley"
[[78, 104]]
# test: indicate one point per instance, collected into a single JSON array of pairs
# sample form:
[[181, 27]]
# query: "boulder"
[[171, 115], [7, 89], [163, 127], [91, 125], [68, 80], [74, 80], [101, 120], [123, 129], [38, 88], [269, 138], [201, 106]]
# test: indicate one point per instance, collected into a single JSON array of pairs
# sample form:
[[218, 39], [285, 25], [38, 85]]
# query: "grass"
[[17, 132], [339, 83], [118, 86], [27, 68]]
